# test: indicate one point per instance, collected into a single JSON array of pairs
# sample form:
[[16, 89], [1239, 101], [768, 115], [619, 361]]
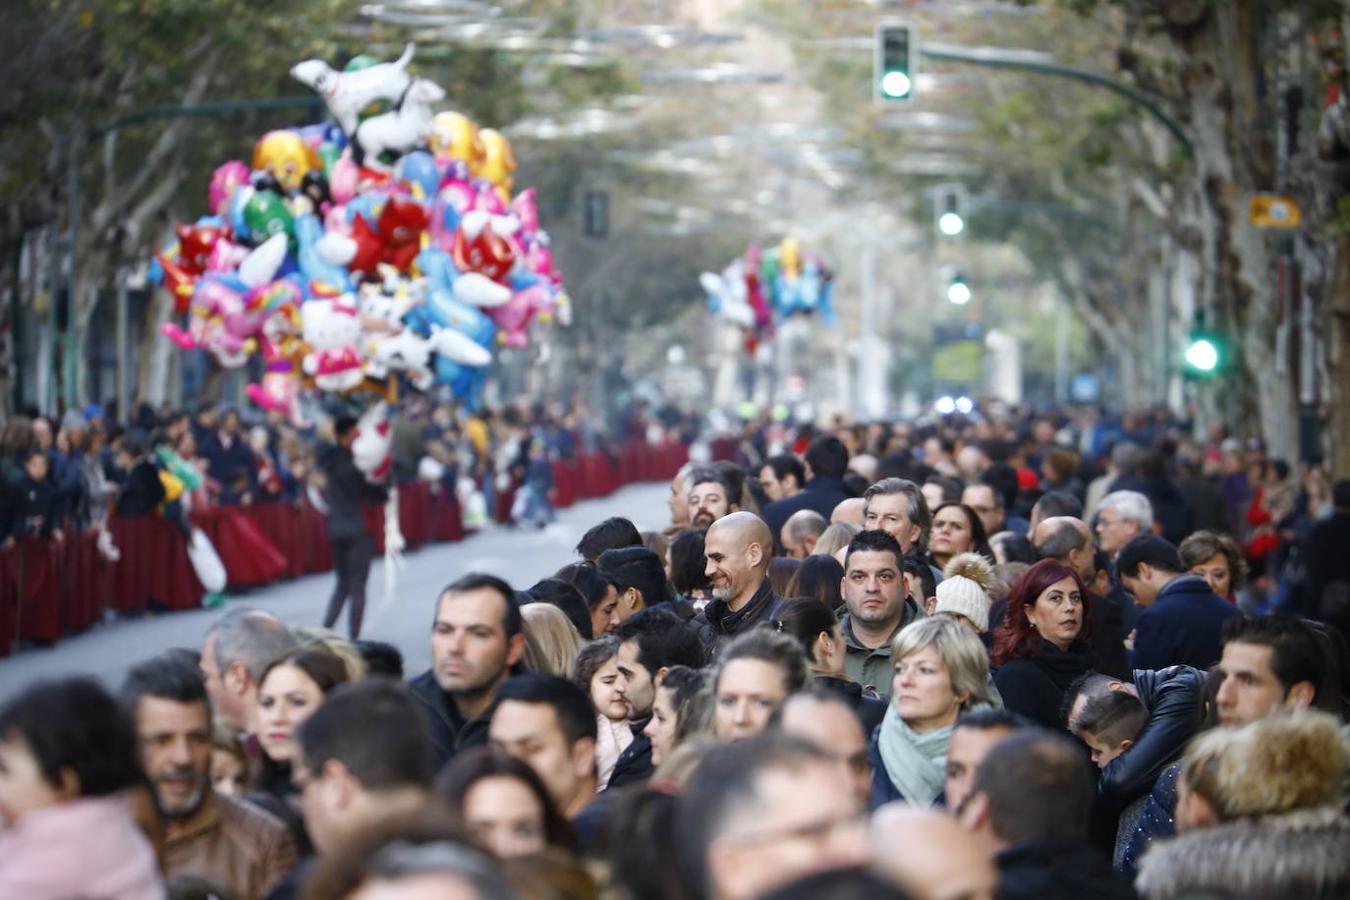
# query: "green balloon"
[[266, 215], [359, 62], [329, 154]]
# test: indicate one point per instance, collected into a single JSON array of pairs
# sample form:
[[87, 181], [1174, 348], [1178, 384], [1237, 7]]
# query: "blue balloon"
[[419, 167], [369, 206], [235, 215], [308, 230]]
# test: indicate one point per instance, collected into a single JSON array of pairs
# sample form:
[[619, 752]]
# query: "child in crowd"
[[229, 769], [1109, 724], [598, 675]]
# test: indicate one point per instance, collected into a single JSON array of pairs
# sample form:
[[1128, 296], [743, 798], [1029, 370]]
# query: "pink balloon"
[[526, 211], [225, 180], [335, 221], [513, 317], [343, 181]]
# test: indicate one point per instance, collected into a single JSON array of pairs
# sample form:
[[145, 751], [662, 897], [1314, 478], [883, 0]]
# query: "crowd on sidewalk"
[[997, 655]]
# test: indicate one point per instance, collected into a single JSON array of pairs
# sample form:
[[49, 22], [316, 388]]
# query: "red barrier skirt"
[[154, 568], [250, 558]]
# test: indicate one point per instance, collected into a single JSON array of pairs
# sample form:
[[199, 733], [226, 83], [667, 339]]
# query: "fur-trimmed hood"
[[1296, 856]]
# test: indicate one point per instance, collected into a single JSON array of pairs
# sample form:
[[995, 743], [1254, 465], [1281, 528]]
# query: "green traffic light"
[[1202, 355], [896, 84]]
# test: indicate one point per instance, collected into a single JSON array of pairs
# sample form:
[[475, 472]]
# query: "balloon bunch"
[[764, 288], [381, 249]]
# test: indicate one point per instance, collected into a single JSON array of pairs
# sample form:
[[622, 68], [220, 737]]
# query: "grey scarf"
[[915, 763]]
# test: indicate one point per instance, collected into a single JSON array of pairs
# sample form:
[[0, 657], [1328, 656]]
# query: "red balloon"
[[488, 254], [401, 225], [177, 281], [369, 247], [195, 243]]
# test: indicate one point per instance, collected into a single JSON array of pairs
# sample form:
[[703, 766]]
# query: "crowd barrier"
[[51, 589]]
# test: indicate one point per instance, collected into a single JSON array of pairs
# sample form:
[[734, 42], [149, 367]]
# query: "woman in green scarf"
[[941, 670]]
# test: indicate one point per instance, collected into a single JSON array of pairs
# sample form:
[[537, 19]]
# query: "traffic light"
[[958, 289], [894, 66], [949, 209], [1204, 351]]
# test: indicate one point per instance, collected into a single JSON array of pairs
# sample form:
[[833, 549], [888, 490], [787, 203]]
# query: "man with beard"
[[878, 607], [477, 639], [207, 834], [711, 497], [738, 548]]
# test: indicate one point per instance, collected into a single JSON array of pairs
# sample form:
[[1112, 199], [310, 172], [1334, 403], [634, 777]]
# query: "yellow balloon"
[[286, 157], [499, 161], [790, 257], [455, 136]]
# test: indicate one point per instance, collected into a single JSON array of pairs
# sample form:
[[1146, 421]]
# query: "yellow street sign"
[[1273, 211]]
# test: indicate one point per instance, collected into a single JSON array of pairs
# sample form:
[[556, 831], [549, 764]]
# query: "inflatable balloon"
[[419, 168], [332, 329], [225, 180], [348, 93], [398, 130], [285, 156], [453, 137], [266, 215], [371, 448], [499, 162]]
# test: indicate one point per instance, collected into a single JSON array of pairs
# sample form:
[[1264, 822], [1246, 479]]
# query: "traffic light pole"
[[998, 58]]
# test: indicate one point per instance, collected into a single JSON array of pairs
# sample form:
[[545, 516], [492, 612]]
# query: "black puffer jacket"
[[1172, 698]]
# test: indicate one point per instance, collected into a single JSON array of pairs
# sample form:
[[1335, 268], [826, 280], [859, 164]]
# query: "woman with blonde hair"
[[551, 640], [941, 671], [835, 538]]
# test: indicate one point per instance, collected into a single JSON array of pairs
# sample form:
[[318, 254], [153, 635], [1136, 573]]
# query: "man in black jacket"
[[1182, 616], [738, 548], [650, 643], [347, 492], [1030, 807], [477, 640], [826, 460], [1170, 701]]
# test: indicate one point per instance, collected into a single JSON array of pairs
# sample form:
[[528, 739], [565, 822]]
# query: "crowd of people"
[[985, 656]]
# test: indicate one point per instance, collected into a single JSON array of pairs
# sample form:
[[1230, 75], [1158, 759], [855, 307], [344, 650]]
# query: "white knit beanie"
[[964, 589]]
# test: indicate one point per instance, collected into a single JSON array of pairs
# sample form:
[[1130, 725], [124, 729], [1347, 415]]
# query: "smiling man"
[[237, 844], [874, 592], [476, 641], [737, 548]]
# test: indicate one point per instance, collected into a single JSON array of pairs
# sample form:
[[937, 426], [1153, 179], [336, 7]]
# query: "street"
[[521, 557]]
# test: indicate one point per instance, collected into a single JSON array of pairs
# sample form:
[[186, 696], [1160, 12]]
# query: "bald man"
[[1069, 540], [737, 548], [850, 511], [800, 533], [929, 855]]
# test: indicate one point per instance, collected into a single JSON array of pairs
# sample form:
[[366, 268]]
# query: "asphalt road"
[[522, 557]]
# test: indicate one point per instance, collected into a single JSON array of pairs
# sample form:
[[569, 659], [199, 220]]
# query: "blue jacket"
[[820, 494], [1182, 626]]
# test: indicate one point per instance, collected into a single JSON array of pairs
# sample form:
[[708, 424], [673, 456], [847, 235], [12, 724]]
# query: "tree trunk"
[[1222, 76]]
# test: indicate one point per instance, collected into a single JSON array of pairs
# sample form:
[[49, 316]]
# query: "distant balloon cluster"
[[765, 288], [380, 251]]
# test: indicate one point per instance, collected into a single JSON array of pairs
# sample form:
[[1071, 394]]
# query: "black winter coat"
[[717, 623], [819, 494], [1058, 870], [1034, 686], [450, 732], [1182, 626], [345, 491], [634, 764]]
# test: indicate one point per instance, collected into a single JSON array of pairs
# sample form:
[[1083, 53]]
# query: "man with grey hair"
[[1122, 517], [896, 506], [800, 533], [238, 649]]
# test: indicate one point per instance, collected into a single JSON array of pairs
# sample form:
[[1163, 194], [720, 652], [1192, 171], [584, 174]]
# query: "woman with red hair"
[[1041, 646]]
